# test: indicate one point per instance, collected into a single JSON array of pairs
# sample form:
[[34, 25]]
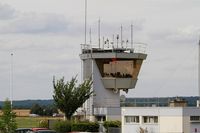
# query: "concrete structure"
[[178, 102], [161, 119], [112, 70]]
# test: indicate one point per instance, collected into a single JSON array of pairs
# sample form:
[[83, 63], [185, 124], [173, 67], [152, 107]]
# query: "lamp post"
[[11, 80]]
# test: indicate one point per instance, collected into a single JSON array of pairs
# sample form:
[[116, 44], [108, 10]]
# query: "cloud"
[[178, 36], [17, 22], [31, 23], [6, 12]]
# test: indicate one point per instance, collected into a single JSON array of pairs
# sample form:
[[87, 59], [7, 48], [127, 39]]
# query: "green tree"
[[36, 109], [69, 97], [7, 122], [43, 110]]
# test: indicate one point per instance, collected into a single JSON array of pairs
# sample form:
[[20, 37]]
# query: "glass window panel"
[[131, 119], [119, 69], [150, 119]]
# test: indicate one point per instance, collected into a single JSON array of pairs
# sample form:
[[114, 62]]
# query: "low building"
[[160, 120]]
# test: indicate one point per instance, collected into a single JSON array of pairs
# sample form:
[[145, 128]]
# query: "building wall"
[[171, 124], [170, 119], [194, 128], [191, 126], [103, 98], [186, 124], [135, 127]]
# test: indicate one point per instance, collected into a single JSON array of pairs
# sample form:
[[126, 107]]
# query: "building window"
[[150, 119], [194, 118], [131, 119]]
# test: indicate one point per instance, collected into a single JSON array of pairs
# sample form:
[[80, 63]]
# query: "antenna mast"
[[90, 36], [85, 21], [131, 36], [121, 37], [99, 32], [199, 72]]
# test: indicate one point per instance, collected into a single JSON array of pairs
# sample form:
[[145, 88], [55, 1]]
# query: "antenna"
[[103, 42], [90, 36], [117, 40], [85, 21], [199, 71], [113, 39], [108, 42], [127, 43], [99, 32], [131, 36], [121, 37]]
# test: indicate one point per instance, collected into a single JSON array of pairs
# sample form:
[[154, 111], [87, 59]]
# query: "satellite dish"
[[115, 90], [125, 90]]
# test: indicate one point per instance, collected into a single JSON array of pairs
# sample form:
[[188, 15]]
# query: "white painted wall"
[[103, 98], [170, 119], [171, 124], [194, 127]]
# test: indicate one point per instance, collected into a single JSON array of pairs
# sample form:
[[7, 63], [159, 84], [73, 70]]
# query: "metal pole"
[[85, 21], [199, 72], [99, 32], [121, 37], [90, 36], [131, 36], [11, 80]]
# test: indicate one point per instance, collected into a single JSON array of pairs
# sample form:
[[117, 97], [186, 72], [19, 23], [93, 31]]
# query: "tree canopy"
[[69, 96], [7, 122], [43, 110]]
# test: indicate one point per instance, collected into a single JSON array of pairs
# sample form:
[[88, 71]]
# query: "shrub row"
[[66, 126], [108, 124]]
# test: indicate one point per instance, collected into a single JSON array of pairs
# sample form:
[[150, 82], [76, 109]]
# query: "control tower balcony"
[[118, 67]]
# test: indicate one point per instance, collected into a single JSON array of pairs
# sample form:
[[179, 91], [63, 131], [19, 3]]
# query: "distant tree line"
[[43, 110], [27, 104]]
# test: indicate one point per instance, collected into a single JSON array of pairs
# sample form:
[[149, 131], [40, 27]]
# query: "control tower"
[[112, 70]]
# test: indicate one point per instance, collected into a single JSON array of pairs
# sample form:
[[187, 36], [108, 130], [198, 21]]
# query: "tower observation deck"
[[118, 67], [112, 70]]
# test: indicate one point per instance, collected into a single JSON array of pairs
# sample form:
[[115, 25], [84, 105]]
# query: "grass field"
[[28, 122]]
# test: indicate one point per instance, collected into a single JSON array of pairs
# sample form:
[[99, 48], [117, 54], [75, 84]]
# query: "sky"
[[45, 36]]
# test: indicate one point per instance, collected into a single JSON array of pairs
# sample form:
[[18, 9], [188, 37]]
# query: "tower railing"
[[138, 47]]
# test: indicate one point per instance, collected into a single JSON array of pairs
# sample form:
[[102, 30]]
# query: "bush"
[[85, 127], [66, 126], [108, 124], [44, 124], [62, 126]]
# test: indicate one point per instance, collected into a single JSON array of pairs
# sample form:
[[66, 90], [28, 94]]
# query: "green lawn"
[[26, 122]]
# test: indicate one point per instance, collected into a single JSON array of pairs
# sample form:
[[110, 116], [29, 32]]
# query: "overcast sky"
[[45, 38]]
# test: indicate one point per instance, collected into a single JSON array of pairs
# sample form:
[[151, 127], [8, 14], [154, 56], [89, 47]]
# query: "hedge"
[[85, 127], [62, 126], [108, 124], [67, 126]]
